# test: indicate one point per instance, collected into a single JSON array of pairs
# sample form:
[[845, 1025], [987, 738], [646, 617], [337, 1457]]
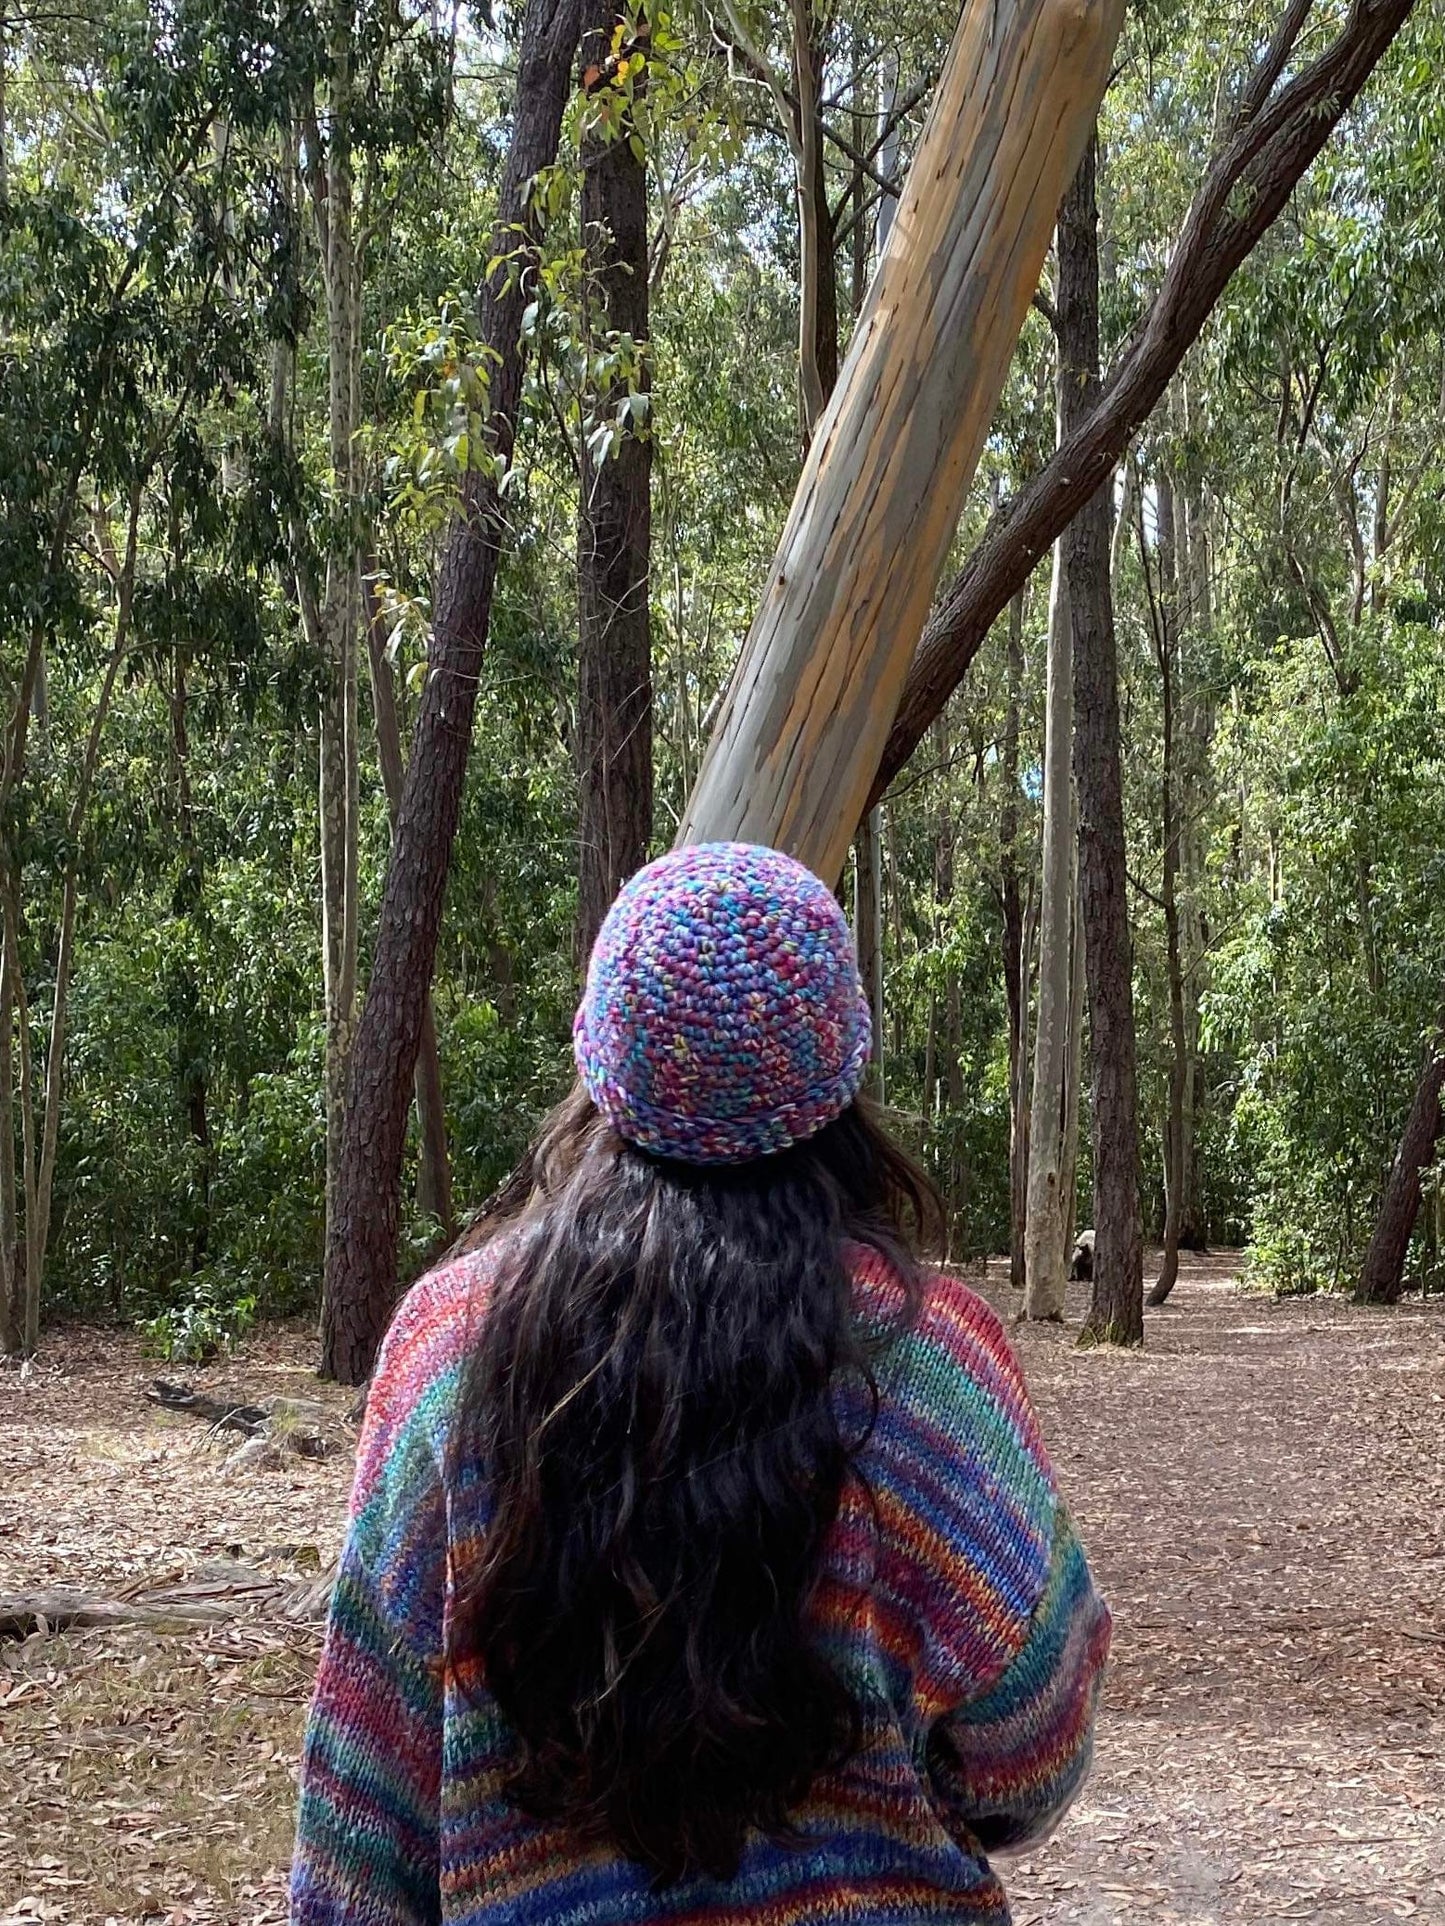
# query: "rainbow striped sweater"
[[975, 1654]]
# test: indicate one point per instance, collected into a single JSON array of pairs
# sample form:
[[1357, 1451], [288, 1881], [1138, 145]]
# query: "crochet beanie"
[[724, 1017]]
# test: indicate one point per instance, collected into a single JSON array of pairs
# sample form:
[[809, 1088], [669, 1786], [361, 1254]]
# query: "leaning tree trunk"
[[361, 1251], [809, 707], [1116, 1308], [1383, 1277], [1045, 1266], [614, 520]]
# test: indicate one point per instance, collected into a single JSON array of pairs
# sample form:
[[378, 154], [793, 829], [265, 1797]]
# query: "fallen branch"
[[218, 1413], [64, 1611], [208, 1601], [283, 1423]]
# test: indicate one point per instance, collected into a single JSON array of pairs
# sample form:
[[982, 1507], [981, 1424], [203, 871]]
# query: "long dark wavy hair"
[[651, 1402]]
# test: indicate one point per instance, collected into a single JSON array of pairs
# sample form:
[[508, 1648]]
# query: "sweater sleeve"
[[1012, 1636], [1008, 1763], [367, 1844]]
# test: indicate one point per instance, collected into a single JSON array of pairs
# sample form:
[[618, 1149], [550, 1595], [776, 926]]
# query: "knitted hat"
[[723, 1016]]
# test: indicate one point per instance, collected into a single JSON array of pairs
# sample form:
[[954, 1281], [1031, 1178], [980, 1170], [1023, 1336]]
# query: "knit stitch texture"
[[723, 1017], [954, 1599]]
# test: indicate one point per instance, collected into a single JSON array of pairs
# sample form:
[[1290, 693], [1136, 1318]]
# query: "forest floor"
[[1263, 1495]]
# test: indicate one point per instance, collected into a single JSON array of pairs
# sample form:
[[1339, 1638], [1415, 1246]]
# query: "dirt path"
[[1263, 1493]]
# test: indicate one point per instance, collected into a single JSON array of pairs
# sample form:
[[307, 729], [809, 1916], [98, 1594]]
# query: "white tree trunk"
[[1045, 1269]]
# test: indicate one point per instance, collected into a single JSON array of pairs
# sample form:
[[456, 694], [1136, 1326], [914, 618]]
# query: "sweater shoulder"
[[958, 1454], [955, 1355], [414, 1388], [972, 1358]]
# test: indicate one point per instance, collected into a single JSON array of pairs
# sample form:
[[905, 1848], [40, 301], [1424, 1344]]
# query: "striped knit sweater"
[[975, 1655]]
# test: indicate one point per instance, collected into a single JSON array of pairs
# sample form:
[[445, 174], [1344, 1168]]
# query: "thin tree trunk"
[[1015, 980], [868, 933], [1044, 1257], [362, 1239], [12, 1310], [30, 1283], [1166, 627], [1198, 720], [191, 1038], [1019, 1173], [614, 528], [868, 849], [4, 122], [1116, 1309], [1078, 992], [37, 1227], [434, 1166], [814, 236], [1382, 1279], [338, 758]]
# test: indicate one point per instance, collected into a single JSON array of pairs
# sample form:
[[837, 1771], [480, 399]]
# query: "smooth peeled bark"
[[810, 705]]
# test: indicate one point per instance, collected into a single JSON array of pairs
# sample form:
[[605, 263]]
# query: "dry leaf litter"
[[1262, 1490]]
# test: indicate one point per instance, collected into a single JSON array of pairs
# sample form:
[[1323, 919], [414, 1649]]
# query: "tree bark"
[[1196, 603], [811, 702], [434, 1167], [1073, 1088], [1116, 1309], [362, 1238], [817, 339], [338, 761], [1045, 1265], [38, 1197], [614, 527], [1166, 636], [1276, 134], [1015, 970], [868, 935], [1382, 1278], [12, 1314]]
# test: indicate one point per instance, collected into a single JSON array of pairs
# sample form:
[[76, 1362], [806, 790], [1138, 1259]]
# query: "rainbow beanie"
[[723, 1018]]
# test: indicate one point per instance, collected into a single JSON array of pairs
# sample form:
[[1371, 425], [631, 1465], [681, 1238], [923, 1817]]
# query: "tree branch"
[[1243, 191]]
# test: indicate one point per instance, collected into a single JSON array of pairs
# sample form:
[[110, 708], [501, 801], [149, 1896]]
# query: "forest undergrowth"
[[1259, 1489]]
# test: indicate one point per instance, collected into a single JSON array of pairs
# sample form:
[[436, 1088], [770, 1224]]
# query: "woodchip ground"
[[1262, 1491]]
